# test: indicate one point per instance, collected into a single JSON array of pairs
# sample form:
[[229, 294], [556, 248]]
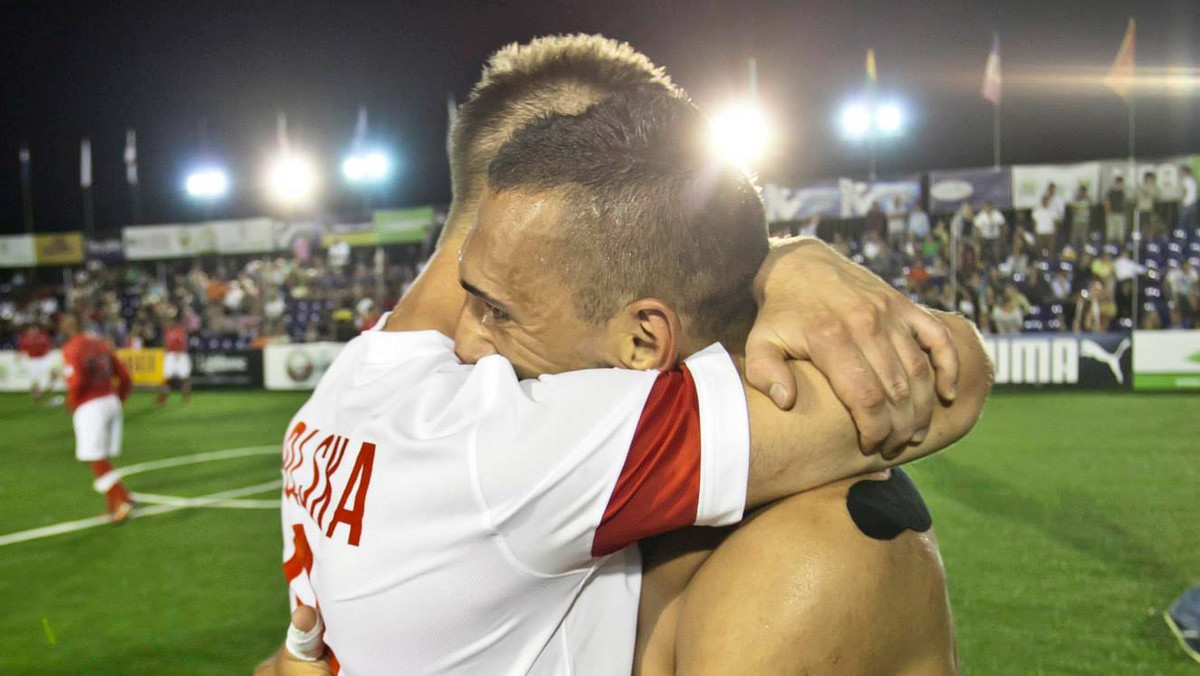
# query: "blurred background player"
[[90, 367], [177, 364], [35, 343]]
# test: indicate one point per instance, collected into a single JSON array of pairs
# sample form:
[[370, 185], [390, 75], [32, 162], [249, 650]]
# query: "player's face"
[[515, 305]]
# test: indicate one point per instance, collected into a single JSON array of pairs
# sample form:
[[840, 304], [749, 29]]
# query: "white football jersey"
[[452, 519]]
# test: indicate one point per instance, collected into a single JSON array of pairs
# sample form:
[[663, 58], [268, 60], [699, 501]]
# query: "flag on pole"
[[131, 172], [281, 131], [26, 172], [991, 73], [1120, 76], [872, 74], [360, 128], [85, 163]]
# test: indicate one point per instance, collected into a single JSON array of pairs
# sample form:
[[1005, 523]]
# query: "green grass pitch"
[[1067, 522]]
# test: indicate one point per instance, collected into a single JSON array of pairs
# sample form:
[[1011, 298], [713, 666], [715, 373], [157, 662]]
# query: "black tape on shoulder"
[[884, 509]]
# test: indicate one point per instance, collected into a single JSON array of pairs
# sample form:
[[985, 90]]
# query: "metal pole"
[[996, 135], [88, 215], [26, 190], [754, 79], [135, 205], [872, 148]]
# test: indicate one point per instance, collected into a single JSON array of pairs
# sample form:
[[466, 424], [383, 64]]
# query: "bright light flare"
[[291, 179], [889, 119], [371, 167], [856, 121], [207, 184], [740, 133]]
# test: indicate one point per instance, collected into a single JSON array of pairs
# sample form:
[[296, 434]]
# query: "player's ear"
[[646, 334]]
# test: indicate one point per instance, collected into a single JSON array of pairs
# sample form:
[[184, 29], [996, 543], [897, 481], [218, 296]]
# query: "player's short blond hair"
[[557, 74]]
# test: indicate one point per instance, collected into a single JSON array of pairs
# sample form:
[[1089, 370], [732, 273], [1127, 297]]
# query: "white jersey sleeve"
[[575, 466]]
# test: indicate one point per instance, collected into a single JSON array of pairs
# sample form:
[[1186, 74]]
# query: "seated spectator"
[[1060, 287], [1007, 316], [1104, 269], [839, 244]]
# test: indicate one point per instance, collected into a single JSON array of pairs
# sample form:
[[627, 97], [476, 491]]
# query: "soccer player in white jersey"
[[861, 335], [537, 488]]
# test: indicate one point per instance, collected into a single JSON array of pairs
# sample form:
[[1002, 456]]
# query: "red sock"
[[116, 494]]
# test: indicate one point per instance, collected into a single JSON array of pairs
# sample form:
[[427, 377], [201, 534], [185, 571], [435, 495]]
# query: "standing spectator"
[[897, 220], [1081, 218], [876, 221], [1187, 205], [1115, 214], [990, 225], [1125, 269], [962, 222], [1147, 203], [1057, 203], [839, 244], [1044, 221], [1094, 309], [918, 223], [1104, 270]]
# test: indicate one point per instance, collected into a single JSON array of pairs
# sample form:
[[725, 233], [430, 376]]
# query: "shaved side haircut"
[[561, 74], [649, 211]]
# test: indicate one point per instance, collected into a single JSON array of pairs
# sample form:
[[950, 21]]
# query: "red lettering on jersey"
[[331, 464], [323, 449], [360, 481], [302, 558]]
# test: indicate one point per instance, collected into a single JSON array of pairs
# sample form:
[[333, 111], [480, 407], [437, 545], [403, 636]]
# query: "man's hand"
[[873, 344], [284, 663]]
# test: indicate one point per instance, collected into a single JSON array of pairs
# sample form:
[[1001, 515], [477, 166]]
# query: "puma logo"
[[1092, 350]]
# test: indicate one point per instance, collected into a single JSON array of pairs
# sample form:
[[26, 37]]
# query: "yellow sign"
[[60, 248], [145, 365]]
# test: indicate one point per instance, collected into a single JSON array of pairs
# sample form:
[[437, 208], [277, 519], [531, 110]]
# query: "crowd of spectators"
[[225, 302], [1062, 266], [1065, 265]]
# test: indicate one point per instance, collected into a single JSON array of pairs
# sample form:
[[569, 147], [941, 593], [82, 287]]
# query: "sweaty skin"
[[845, 604]]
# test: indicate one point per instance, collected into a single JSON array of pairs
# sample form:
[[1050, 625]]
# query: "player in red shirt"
[[35, 343], [90, 367], [177, 364]]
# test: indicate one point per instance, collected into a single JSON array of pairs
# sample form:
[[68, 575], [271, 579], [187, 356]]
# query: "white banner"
[[1030, 181], [1166, 176], [168, 241], [14, 371], [1166, 360], [286, 232], [255, 235], [17, 251], [299, 366], [857, 196]]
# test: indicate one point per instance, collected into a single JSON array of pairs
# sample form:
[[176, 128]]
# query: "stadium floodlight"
[[291, 179], [856, 121], [739, 133], [889, 119], [367, 167], [207, 184]]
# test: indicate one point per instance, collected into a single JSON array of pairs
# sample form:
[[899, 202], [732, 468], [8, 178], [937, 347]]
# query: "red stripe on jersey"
[[302, 558], [659, 486]]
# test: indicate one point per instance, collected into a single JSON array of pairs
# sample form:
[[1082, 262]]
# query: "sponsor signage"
[[297, 366], [1166, 360], [785, 204], [1029, 182], [14, 372], [227, 368], [17, 251], [145, 365], [60, 248], [403, 226], [1056, 360], [949, 189], [857, 196]]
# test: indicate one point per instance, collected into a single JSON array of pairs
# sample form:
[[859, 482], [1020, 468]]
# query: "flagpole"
[[996, 135], [26, 190]]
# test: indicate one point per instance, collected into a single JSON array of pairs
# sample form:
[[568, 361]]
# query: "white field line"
[[170, 503]]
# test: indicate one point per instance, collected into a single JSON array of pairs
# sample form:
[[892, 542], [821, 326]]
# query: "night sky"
[[203, 78]]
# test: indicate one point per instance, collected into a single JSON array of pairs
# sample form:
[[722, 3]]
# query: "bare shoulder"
[[844, 579]]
